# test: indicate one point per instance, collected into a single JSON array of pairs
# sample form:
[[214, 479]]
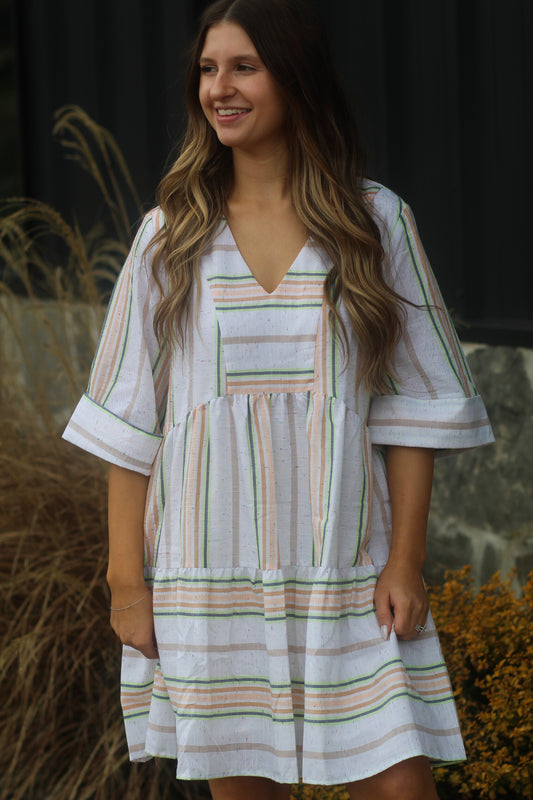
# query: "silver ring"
[[420, 628]]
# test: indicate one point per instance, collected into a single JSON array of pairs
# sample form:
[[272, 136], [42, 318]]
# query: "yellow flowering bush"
[[487, 640], [303, 792]]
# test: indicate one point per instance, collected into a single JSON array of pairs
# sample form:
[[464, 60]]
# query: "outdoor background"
[[442, 90]]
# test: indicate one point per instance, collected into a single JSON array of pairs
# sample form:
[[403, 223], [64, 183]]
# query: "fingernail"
[[384, 632]]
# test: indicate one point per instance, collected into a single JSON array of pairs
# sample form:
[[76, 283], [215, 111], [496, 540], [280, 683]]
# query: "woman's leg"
[[408, 780], [248, 788]]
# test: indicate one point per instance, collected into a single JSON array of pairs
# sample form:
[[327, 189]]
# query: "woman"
[[274, 376]]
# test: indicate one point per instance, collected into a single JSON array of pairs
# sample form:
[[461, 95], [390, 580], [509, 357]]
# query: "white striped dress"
[[268, 519]]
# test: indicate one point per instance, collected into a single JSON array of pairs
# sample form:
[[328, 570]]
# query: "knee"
[[244, 788], [408, 780]]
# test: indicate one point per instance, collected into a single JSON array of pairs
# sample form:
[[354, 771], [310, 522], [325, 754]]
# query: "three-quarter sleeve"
[[434, 402], [120, 416]]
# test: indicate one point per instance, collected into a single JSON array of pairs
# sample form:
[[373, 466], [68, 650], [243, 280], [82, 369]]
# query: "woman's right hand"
[[134, 623], [134, 626]]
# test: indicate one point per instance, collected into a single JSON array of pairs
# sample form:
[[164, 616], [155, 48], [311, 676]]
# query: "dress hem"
[[435, 761]]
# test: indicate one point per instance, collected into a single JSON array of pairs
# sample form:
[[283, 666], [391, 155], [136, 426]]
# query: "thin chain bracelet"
[[131, 604]]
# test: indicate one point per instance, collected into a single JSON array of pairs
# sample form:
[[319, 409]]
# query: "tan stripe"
[[238, 746], [112, 340], [112, 451], [192, 708], [327, 652], [270, 388], [304, 282], [323, 346], [430, 423], [417, 365], [260, 467], [130, 652], [273, 559], [136, 748], [140, 356], [161, 728], [268, 604], [186, 501], [129, 708], [325, 703], [224, 248], [199, 470], [293, 538], [152, 517], [235, 298], [321, 493], [235, 489], [325, 698], [322, 755], [109, 344], [268, 338], [191, 504], [191, 371], [325, 593], [324, 590], [316, 471], [267, 381]]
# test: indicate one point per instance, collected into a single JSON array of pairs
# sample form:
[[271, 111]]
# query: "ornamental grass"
[[61, 730]]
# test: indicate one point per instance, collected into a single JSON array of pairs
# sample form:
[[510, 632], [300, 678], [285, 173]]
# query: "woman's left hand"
[[400, 597]]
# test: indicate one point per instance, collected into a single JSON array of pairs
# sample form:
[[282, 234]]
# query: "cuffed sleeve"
[[121, 415], [96, 429], [433, 401]]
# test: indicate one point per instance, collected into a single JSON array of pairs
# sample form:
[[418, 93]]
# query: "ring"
[[420, 628]]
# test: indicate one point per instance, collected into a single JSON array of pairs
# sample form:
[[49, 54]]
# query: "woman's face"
[[238, 95]]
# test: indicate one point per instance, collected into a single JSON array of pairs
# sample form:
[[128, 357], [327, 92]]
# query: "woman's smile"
[[225, 115], [239, 96]]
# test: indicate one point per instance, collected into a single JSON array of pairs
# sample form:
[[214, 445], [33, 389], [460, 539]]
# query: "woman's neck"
[[260, 180]]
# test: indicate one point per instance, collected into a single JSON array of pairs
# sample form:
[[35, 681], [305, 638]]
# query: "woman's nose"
[[222, 86]]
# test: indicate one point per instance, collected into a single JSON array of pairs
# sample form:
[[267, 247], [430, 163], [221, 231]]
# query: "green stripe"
[[160, 500], [229, 279], [421, 279], [331, 445], [279, 304], [268, 585], [219, 360], [206, 613]]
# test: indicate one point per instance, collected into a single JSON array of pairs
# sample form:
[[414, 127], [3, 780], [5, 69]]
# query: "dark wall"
[[9, 151], [443, 91]]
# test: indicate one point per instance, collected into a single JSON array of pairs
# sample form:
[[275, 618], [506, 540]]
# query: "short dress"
[[268, 518]]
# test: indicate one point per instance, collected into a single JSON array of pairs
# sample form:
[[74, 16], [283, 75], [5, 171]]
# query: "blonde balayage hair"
[[325, 175]]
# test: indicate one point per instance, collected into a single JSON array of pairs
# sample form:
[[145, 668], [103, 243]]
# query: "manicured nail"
[[384, 632]]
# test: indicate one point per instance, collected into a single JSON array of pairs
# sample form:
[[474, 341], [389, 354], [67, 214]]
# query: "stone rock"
[[482, 505]]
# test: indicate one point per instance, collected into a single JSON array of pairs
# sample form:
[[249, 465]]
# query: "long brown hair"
[[325, 172]]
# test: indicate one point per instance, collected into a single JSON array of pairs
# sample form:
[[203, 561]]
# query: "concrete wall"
[[482, 506]]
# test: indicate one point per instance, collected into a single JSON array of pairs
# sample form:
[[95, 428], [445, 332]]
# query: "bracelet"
[[131, 604]]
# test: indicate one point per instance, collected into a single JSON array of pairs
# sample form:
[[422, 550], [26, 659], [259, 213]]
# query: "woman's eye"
[[246, 68], [205, 68]]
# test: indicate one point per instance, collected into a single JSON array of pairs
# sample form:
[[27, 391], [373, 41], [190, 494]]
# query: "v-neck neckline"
[[286, 274]]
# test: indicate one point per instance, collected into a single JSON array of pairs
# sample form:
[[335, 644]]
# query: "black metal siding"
[[443, 90]]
